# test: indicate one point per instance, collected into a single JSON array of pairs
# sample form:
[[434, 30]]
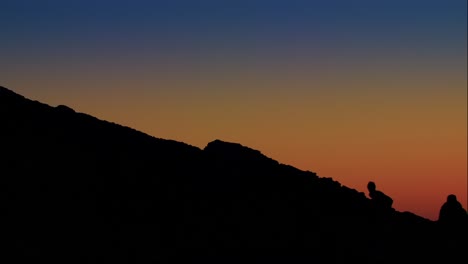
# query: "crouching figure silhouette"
[[381, 202]]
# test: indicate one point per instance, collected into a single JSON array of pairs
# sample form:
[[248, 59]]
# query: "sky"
[[353, 90]]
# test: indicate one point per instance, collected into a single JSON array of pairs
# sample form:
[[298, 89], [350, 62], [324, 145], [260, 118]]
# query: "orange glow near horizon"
[[407, 130]]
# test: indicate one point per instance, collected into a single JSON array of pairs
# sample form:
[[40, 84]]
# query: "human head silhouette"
[[371, 186], [451, 198]]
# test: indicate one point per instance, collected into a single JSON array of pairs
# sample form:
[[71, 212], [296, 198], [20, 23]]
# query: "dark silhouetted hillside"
[[76, 189]]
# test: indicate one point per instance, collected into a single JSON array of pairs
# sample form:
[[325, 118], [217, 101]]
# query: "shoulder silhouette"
[[452, 212]]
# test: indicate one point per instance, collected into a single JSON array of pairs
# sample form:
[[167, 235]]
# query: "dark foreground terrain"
[[75, 189]]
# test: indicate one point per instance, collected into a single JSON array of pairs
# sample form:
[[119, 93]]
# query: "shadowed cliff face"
[[77, 189]]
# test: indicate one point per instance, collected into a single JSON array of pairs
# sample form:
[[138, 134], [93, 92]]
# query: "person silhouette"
[[453, 224], [381, 223], [452, 212], [380, 200]]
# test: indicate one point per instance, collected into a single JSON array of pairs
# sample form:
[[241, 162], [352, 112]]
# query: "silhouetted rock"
[[77, 189], [237, 154], [65, 109]]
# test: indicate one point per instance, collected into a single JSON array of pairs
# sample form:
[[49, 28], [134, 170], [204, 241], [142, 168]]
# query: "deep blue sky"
[[102, 25]]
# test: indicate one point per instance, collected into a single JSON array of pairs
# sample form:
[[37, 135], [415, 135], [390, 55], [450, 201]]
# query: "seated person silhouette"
[[452, 213], [380, 200]]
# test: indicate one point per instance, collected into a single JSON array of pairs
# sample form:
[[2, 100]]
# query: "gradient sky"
[[354, 90]]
